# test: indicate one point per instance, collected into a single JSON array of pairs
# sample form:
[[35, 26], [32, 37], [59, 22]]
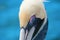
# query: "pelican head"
[[31, 16]]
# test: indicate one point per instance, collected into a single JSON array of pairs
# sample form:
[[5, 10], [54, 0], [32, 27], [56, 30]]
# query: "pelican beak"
[[22, 34]]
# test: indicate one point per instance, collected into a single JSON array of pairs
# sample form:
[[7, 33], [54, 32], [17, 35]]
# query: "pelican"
[[32, 16]]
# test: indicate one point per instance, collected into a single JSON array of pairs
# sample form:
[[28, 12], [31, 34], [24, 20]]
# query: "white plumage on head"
[[29, 8]]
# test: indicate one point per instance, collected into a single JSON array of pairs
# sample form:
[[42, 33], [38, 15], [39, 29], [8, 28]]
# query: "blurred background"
[[53, 13], [9, 19]]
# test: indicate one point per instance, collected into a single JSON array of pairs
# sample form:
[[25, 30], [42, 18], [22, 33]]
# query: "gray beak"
[[22, 34]]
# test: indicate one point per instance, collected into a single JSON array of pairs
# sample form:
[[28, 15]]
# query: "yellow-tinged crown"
[[29, 8]]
